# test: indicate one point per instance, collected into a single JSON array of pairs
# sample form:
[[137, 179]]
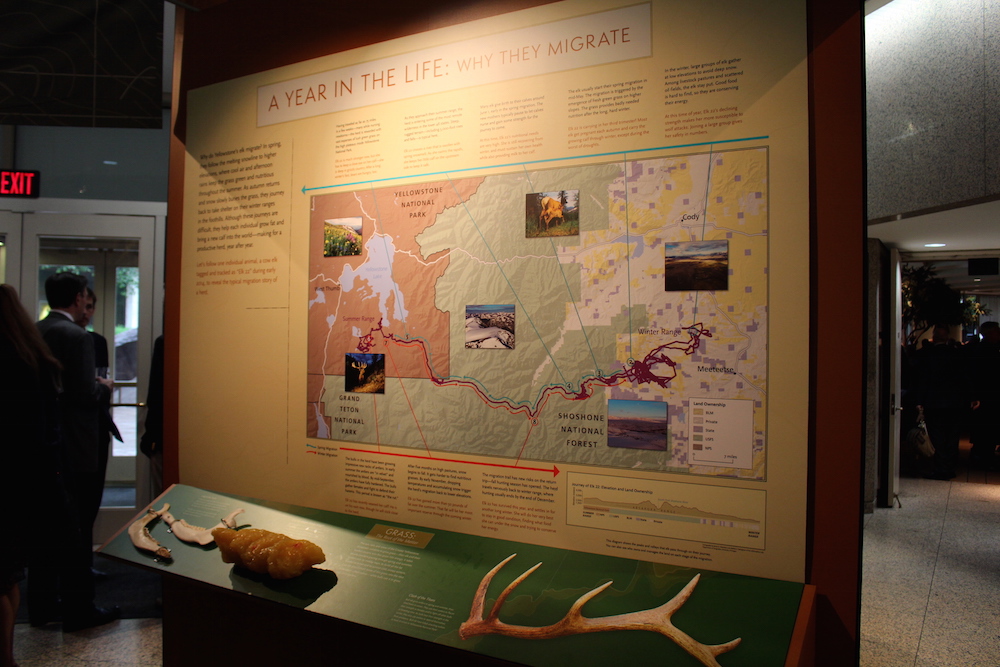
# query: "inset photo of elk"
[[342, 237], [489, 327], [364, 373], [696, 265], [552, 214]]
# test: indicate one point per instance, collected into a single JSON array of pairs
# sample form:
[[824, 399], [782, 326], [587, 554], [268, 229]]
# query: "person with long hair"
[[29, 376]]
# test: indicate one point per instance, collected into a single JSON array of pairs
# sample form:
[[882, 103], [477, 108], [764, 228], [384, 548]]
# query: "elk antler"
[[653, 620]]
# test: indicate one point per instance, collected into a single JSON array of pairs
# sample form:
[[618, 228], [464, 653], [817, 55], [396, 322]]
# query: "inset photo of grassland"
[[696, 265], [342, 237]]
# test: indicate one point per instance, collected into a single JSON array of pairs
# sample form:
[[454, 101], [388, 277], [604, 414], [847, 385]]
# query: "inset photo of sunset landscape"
[[637, 424], [696, 265]]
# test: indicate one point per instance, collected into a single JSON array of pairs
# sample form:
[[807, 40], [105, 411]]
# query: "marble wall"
[[933, 89]]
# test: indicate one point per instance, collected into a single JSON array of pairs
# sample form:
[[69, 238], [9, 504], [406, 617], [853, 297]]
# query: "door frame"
[[10, 227], [891, 386], [144, 221]]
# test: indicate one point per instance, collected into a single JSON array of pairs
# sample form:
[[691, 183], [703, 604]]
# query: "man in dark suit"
[[80, 401]]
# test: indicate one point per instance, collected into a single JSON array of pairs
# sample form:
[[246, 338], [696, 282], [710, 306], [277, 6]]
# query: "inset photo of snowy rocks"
[[489, 327]]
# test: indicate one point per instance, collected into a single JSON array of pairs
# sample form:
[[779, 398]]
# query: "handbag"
[[917, 438]]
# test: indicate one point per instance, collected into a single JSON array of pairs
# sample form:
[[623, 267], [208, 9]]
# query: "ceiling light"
[[934, 245], [113, 162]]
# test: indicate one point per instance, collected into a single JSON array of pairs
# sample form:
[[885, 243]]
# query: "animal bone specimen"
[[264, 552], [138, 532], [185, 532], [574, 623]]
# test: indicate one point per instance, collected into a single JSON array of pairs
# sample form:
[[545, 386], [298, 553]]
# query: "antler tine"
[[659, 620], [678, 600], [576, 611], [476, 613], [507, 591]]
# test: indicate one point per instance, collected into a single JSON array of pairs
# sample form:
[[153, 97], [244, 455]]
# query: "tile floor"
[[125, 643], [931, 576]]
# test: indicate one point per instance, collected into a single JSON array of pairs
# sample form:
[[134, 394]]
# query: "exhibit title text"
[[612, 36]]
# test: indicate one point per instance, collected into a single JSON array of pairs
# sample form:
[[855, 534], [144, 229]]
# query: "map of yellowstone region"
[[607, 314]]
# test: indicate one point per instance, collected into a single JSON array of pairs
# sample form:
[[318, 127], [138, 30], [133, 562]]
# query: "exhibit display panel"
[[425, 583], [540, 277]]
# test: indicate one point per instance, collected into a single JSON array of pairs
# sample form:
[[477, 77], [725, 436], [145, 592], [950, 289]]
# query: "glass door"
[[111, 267], [116, 254]]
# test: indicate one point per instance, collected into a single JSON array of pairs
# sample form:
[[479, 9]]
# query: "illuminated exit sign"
[[16, 183]]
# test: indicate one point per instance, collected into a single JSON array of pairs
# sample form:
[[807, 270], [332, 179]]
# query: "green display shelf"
[[420, 583]]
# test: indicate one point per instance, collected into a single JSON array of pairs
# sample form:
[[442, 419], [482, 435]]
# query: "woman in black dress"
[[28, 450]]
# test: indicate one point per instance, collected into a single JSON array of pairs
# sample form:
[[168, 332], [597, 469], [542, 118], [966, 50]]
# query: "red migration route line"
[[554, 470], [640, 372]]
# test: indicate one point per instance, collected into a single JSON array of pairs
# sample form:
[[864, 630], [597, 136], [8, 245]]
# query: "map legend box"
[[722, 432]]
